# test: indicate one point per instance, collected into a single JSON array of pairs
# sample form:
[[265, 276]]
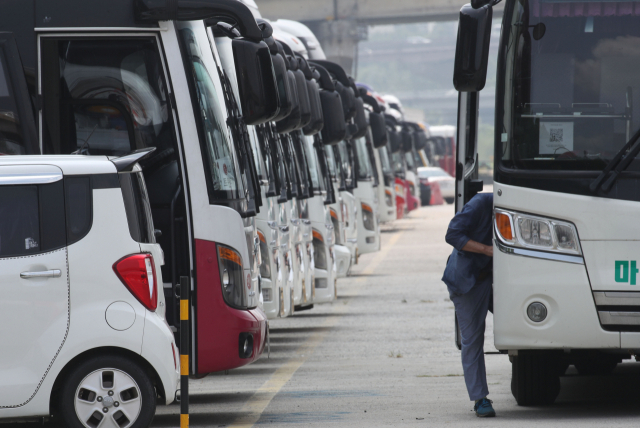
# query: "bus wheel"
[[108, 391], [535, 378]]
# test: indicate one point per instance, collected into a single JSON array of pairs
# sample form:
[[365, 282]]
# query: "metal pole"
[[184, 351]]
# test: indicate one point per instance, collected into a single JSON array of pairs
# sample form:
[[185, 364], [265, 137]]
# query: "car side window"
[[138, 209], [31, 219], [78, 197]]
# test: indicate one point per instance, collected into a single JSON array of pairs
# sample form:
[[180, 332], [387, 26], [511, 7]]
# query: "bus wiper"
[[620, 162]]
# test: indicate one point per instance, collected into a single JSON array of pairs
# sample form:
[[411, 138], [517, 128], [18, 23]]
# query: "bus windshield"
[[569, 85], [218, 155], [314, 167], [365, 170], [384, 160], [331, 161]]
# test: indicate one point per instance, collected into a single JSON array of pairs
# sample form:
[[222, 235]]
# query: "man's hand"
[[476, 247]]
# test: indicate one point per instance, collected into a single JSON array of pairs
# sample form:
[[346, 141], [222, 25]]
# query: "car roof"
[[69, 164]]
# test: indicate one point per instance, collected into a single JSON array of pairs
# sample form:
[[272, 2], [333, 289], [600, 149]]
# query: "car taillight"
[[138, 274], [173, 352]]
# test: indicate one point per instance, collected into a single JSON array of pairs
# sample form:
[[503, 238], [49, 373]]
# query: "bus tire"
[[535, 378], [107, 386]]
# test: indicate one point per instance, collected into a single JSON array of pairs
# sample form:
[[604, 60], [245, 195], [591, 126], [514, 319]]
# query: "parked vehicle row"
[[168, 147]]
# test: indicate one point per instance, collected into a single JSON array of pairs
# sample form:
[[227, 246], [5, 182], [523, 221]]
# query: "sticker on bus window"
[[226, 173], [556, 137]]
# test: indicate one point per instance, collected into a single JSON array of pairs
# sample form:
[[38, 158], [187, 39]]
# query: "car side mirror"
[[378, 130], [256, 81], [472, 48]]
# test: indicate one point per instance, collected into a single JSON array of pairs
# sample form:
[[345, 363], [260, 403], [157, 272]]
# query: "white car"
[[447, 183], [82, 293]]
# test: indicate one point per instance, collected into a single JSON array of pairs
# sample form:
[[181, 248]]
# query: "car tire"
[[535, 378], [449, 200], [110, 382]]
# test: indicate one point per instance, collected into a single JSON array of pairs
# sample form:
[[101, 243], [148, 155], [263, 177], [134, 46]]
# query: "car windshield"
[[571, 83], [218, 156], [432, 172]]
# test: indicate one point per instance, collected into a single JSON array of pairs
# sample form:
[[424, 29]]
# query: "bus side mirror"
[[378, 130], [360, 119], [335, 124], [472, 48], [420, 140], [407, 140], [291, 122], [395, 141], [282, 87], [317, 120], [256, 81]]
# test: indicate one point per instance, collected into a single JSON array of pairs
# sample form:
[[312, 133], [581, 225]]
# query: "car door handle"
[[55, 273]]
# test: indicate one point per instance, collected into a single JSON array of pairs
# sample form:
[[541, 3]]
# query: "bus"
[[565, 193]]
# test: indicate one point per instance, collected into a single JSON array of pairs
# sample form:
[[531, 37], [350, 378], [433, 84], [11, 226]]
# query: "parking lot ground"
[[383, 355]]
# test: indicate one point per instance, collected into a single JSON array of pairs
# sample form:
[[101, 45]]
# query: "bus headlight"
[[265, 266], [388, 197], [232, 277], [319, 251], [528, 231], [367, 217]]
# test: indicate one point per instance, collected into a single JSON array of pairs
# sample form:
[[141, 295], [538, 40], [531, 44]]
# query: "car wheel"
[[449, 200], [109, 391]]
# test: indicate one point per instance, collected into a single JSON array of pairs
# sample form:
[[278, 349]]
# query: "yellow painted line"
[[253, 409]]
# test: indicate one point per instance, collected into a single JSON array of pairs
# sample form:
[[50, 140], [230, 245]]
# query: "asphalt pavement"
[[383, 355]]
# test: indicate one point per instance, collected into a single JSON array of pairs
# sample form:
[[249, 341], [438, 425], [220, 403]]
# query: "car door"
[[34, 302], [35, 296]]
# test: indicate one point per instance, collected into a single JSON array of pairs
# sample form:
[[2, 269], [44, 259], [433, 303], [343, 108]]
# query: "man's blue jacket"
[[475, 222]]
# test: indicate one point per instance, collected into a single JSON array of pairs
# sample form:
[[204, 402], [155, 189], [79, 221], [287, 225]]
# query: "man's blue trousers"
[[471, 310]]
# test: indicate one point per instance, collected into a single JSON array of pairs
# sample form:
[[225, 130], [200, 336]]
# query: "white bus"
[[566, 287]]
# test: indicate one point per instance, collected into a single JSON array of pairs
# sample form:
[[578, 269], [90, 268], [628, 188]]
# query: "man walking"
[[469, 279]]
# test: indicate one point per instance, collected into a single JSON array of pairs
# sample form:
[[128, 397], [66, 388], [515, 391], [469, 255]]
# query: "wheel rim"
[[108, 398]]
